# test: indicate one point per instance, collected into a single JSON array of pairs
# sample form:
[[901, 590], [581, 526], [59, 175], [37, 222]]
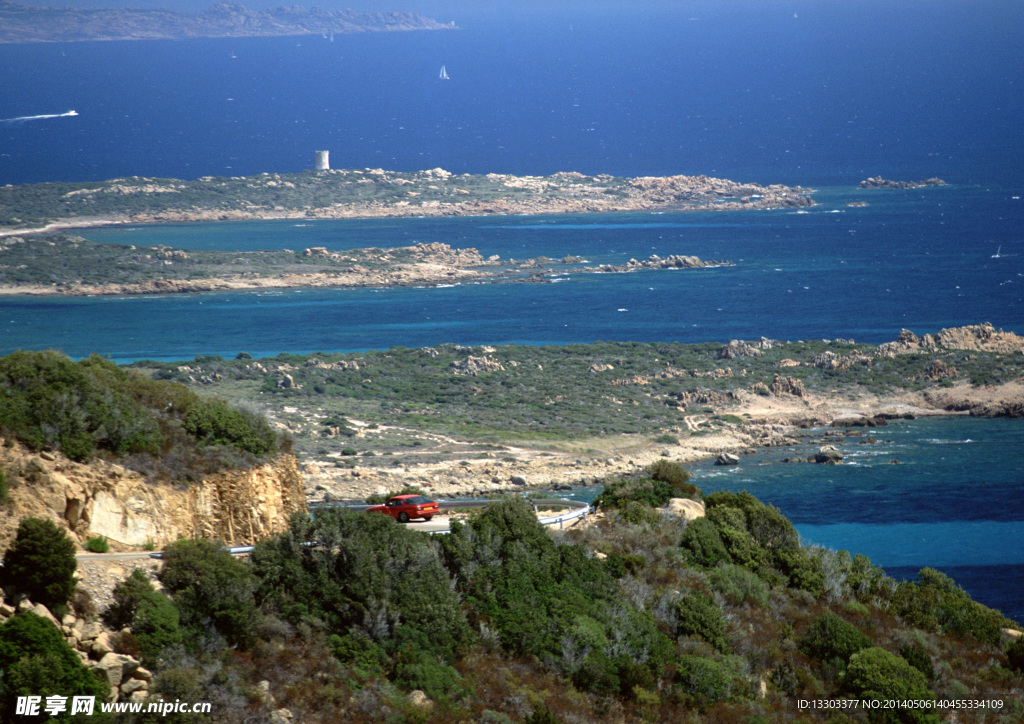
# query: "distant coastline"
[[33, 24]]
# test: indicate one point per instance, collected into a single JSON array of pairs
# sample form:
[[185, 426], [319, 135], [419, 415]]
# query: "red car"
[[406, 507]]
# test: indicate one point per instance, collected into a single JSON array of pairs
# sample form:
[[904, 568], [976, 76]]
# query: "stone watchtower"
[[323, 160]]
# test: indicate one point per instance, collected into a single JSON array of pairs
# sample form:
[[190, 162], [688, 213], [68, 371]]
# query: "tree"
[[212, 589], [36, 661], [41, 563]]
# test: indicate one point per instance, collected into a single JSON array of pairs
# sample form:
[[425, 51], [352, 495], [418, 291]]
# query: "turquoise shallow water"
[[953, 502]]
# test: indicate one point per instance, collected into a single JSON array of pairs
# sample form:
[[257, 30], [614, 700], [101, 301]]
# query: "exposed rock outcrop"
[[975, 337], [828, 455], [100, 498], [476, 365], [786, 386], [877, 182]]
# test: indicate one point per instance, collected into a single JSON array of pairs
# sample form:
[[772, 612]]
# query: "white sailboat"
[[998, 255], [444, 74]]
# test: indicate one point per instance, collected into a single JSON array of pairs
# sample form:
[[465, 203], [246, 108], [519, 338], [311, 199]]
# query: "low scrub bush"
[[936, 603], [830, 637], [699, 615], [739, 585], [97, 544], [876, 674]]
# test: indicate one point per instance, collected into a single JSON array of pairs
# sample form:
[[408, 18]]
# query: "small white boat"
[[998, 254], [444, 74]]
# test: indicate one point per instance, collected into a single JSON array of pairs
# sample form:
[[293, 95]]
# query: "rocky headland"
[[369, 193], [34, 24]]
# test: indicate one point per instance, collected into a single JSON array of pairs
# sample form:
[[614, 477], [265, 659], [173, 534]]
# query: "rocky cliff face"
[[99, 498]]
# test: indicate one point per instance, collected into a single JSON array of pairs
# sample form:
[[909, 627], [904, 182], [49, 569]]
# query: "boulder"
[[41, 610], [828, 455], [130, 686], [685, 508], [786, 386], [90, 631], [114, 667], [727, 458], [281, 716], [101, 646], [143, 674], [420, 700]]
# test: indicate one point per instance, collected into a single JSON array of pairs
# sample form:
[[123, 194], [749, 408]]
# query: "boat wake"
[[21, 119]]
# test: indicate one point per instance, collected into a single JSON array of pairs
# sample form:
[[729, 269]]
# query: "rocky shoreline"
[[47, 265], [776, 425], [782, 415]]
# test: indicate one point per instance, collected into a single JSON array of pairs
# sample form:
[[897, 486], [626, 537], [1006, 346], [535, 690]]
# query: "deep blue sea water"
[[796, 92], [816, 94]]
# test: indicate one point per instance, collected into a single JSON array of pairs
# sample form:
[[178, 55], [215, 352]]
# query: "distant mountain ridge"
[[32, 24]]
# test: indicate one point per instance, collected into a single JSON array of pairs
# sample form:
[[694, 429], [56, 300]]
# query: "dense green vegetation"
[[93, 407], [36, 661], [541, 394], [41, 564], [346, 614]]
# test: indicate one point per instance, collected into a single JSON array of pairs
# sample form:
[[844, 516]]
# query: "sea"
[[800, 93]]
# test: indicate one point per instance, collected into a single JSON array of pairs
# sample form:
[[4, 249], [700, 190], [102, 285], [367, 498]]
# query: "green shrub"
[[703, 544], [675, 475], [415, 669], [368, 573], [126, 597], [156, 626], [739, 585], [51, 402], [212, 589], [1015, 654], [935, 603], [876, 674], [704, 681], [699, 615], [359, 651], [97, 544], [214, 422], [915, 655], [41, 563], [666, 439], [635, 512], [37, 661], [5, 494], [830, 637]]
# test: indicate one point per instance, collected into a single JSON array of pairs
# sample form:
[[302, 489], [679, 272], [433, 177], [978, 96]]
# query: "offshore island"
[[33, 260]]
